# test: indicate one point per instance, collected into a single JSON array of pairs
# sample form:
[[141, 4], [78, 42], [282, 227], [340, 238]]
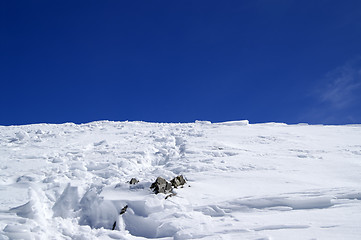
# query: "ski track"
[[245, 181]]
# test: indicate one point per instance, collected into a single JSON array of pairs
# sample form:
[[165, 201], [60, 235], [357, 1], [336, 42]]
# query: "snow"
[[244, 181]]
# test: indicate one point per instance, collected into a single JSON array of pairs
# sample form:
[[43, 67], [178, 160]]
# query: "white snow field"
[[244, 181]]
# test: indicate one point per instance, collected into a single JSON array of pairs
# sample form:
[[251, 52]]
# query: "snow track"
[[260, 181]]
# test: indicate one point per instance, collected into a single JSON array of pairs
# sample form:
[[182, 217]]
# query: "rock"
[[124, 209], [133, 181], [170, 195], [178, 181], [161, 186]]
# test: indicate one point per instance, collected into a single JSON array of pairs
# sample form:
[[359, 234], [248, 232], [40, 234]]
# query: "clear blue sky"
[[180, 61]]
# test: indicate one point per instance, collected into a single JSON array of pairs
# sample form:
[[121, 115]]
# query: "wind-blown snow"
[[244, 181]]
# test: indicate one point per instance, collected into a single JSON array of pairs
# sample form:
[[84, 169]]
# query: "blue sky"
[[180, 61]]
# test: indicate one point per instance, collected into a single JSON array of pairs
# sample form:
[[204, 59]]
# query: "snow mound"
[[67, 203]]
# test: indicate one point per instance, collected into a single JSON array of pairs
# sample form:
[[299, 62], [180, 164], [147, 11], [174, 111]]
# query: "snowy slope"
[[245, 181]]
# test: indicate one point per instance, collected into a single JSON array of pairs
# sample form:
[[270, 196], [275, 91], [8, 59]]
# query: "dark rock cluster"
[[178, 181], [163, 186]]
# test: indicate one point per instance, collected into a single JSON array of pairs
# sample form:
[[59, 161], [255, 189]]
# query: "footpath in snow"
[[244, 181]]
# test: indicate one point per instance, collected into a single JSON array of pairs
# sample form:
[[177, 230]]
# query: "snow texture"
[[244, 181]]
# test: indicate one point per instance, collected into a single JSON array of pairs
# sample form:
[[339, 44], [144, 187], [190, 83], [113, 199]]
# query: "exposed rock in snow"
[[178, 181], [133, 181], [161, 186]]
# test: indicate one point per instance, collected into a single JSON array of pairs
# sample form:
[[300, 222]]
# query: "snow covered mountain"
[[244, 181]]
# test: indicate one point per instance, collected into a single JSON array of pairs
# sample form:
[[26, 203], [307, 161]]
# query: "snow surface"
[[244, 181]]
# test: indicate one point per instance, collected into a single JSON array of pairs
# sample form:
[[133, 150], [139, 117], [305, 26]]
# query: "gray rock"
[[178, 181], [133, 181], [124, 209], [161, 186]]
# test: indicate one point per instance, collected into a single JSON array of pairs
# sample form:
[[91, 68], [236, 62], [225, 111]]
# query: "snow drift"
[[244, 181]]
